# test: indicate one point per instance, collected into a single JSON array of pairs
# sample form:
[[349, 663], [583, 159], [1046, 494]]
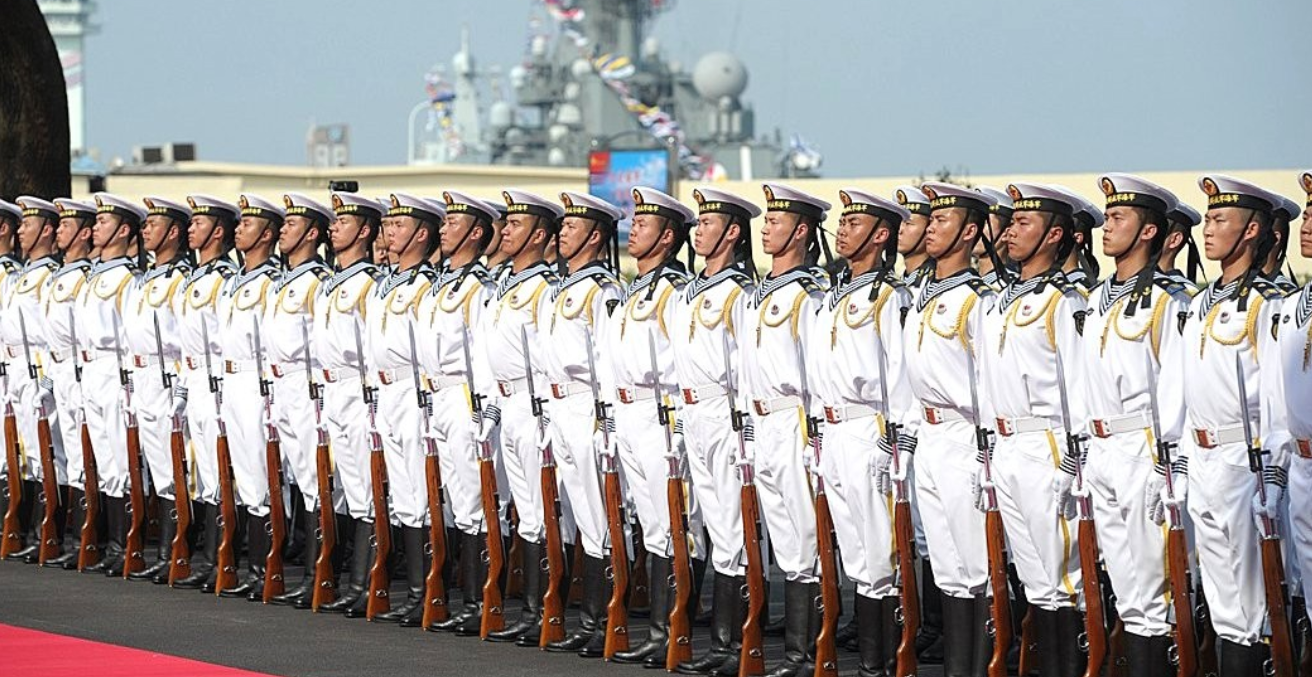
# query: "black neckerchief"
[[701, 283], [846, 284], [448, 275], [770, 285], [182, 265], [332, 283], [591, 269], [103, 265], [511, 281], [313, 265], [671, 269], [398, 278], [237, 281], [80, 266]]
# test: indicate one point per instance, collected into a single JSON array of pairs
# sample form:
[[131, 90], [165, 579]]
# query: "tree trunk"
[[34, 154]]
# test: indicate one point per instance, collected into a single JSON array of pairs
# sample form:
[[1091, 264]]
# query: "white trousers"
[[523, 464], [453, 429], [1133, 548], [572, 426], [243, 415], [203, 436], [1043, 544], [106, 424], [642, 454], [403, 446], [713, 465], [154, 406], [293, 413], [347, 418], [863, 517], [954, 529], [1229, 554], [1299, 533], [784, 491], [68, 403]]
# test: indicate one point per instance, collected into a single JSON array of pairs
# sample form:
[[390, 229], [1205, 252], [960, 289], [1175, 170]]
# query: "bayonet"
[[662, 410], [27, 346], [165, 378]]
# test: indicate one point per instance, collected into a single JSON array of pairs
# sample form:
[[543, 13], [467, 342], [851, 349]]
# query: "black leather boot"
[[355, 599], [724, 610], [729, 668], [28, 521], [530, 616], [412, 543], [658, 622], [870, 640], [475, 579], [1070, 626], [207, 516], [301, 596], [535, 561], [1237, 659], [958, 641], [257, 550], [163, 550], [799, 606], [597, 595], [76, 516], [1147, 656], [983, 641], [592, 583], [62, 514], [470, 585], [301, 532], [116, 527], [929, 641]]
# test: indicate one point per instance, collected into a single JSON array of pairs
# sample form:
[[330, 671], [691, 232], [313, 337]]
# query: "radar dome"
[[719, 74]]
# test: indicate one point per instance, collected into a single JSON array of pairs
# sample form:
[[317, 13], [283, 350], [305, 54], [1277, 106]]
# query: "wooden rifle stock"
[[89, 546], [751, 661], [553, 605], [379, 577], [273, 565], [910, 594], [826, 643], [515, 557], [325, 584], [1095, 622], [640, 583], [575, 596], [50, 536], [494, 619], [1001, 603], [1029, 647], [180, 548], [1207, 659], [226, 567], [134, 559], [435, 610], [680, 644], [1273, 580], [617, 613], [13, 538]]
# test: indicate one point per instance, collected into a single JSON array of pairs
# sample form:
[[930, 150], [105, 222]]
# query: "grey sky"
[[879, 87]]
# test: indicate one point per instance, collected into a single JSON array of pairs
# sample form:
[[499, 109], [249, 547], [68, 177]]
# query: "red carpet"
[[29, 652]]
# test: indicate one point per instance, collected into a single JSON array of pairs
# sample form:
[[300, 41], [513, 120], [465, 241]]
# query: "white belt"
[[634, 394], [340, 374], [561, 391], [238, 366], [61, 355], [283, 368], [443, 382], [939, 415], [849, 412], [99, 354], [143, 361], [1209, 438], [389, 376], [1116, 425], [775, 405], [696, 394], [1021, 425], [508, 388]]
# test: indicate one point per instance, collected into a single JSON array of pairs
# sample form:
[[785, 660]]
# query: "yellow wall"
[[229, 179]]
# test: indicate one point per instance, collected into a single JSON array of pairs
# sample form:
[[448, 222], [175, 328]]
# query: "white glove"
[[748, 456], [1275, 478], [1062, 494], [882, 462], [179, 402], [678, 450], [489, 423], [1154, 497], [906, 449], [980, 489], [45, 394], [607, 454]]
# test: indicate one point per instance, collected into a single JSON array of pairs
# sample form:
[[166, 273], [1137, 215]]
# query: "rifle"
[[553, 607], [133, 559], [325, 583], [1095, 621], [435, 610], [617, 611], [379, 577], [996, 537], [88, 546], [493, 619], [180, 548], [826, 642], [680, 645], [903, 532], [49, 536], [226, 566], [13, 528], [751, 659], [515, 555], [277, 529], [1281, 663], [1185, 652]]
